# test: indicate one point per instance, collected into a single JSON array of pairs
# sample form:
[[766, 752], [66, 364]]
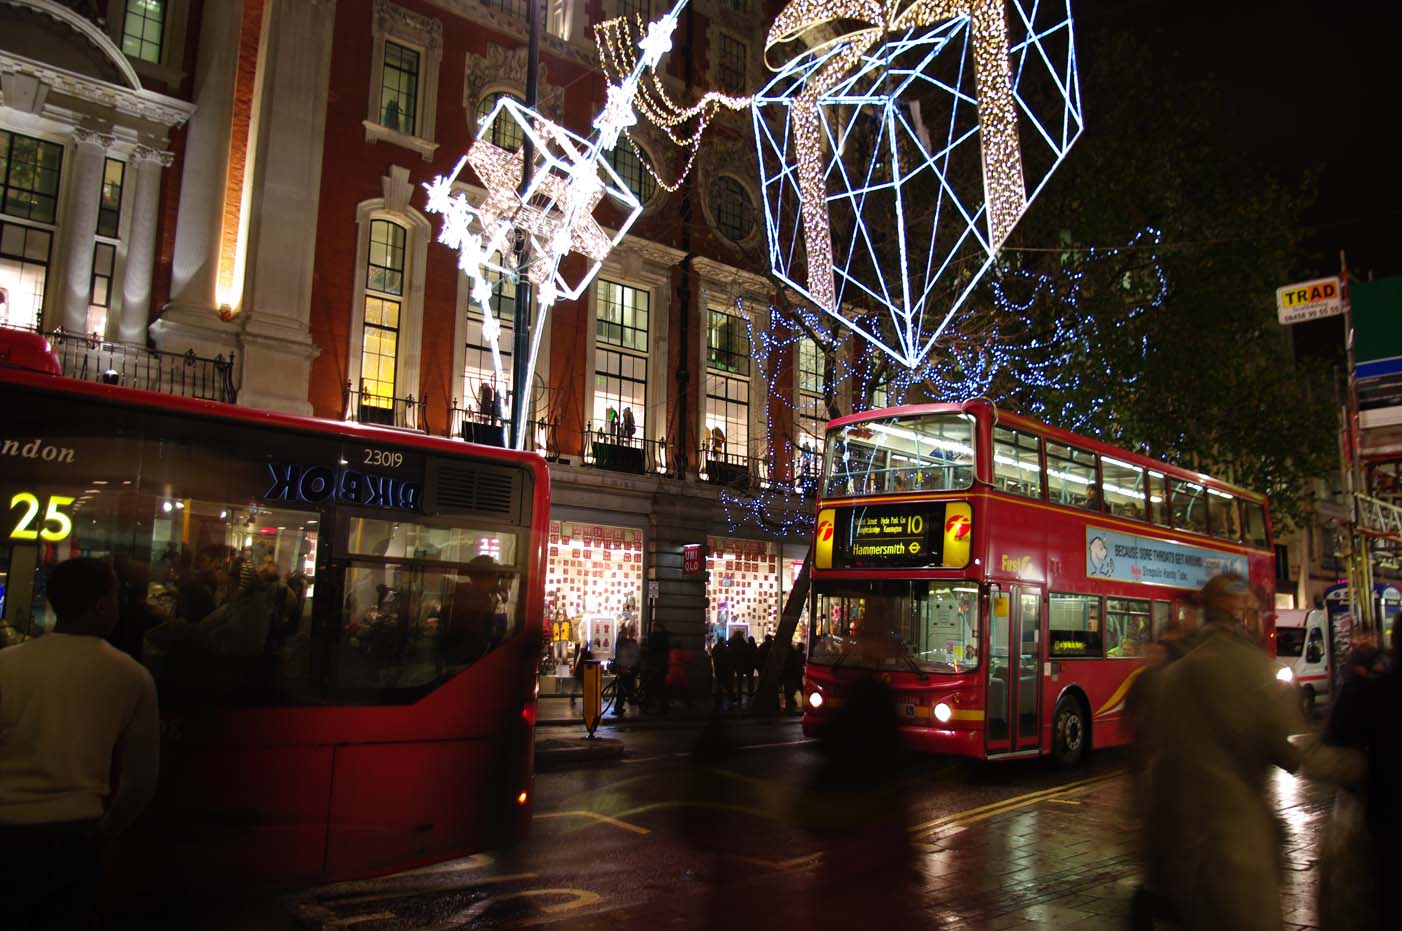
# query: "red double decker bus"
[[342, 620], [1004, 577]]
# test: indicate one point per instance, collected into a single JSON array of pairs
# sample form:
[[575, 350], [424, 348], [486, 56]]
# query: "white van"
[[1302, 652]]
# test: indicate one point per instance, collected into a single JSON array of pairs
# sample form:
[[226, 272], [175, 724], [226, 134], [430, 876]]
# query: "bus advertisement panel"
[[343, 621], [1005, 578]]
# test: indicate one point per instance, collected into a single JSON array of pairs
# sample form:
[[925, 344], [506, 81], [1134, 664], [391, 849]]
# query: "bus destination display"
[[894, 535], [927, 534]]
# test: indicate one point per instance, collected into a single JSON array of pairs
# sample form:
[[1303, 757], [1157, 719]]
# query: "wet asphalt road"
[[660, 839]]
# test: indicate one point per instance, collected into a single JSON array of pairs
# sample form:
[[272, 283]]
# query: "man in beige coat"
[[1221, 722]]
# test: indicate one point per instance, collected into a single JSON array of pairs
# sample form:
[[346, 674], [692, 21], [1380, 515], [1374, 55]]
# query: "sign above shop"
[[692, 559]]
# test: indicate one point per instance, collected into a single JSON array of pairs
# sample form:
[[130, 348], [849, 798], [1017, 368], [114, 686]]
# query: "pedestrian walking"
[[582, 657], [794, 662], [656, 652], [1219, 723], [741, 665], [678, 681], [751, 668], [79, 741], [722, 673], [1364, 840], [625, 668]]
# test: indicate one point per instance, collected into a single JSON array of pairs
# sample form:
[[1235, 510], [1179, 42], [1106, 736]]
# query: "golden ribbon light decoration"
[[1004, 188]]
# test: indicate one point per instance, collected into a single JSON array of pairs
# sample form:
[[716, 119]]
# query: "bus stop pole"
[[593, 681]]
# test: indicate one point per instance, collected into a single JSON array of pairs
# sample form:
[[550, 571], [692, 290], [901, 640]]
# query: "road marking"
[[973, 815], [410, 891], [786, 743], [580, 898], [604, 819]]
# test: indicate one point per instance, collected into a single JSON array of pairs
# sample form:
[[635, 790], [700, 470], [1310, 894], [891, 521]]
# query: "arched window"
[[731, 208], [635, 168], [505, 132]]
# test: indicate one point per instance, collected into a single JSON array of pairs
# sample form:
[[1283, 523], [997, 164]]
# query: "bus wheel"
[[1069, 732]]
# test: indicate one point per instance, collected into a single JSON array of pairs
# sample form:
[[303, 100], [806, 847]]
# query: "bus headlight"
[[1285, 674], [943, 713], [815, 700]]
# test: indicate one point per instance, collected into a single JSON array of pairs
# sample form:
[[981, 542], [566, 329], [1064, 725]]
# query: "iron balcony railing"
[[739, 471], [90, 357], [492, 429], [611, 447], [365, 406]]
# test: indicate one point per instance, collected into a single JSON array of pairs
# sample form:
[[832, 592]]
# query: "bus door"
[[1013, 702]]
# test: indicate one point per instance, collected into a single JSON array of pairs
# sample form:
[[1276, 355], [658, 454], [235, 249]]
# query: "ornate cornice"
[[744, 284], [147, 154], [145, 105], [504, 67], [393, 19], [86, 136], [515, 26]]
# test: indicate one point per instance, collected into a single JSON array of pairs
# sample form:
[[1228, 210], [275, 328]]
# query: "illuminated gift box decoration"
[[896, 157]]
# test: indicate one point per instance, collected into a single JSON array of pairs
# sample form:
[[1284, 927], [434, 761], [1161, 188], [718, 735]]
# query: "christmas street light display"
[[516, 231], [897, 156], [1007, 357]]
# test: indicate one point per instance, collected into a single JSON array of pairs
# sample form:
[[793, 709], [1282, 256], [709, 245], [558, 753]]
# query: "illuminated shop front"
[[593, 590], [742, 589]]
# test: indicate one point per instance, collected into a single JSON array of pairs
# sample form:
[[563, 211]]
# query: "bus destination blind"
[[933, 534]]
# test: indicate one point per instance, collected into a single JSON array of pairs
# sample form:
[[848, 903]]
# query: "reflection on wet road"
[[745, 835]]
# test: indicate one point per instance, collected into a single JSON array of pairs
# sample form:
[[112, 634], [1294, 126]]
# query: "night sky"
[[1314, 88]]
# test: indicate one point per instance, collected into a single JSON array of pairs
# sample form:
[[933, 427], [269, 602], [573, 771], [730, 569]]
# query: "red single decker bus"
[[342, 620], [1004, 577]]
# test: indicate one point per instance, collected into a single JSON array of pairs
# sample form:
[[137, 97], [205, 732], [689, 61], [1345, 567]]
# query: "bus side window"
[[1255, 523], [1189, 509], [1222, 515], [1123, 484], [1158, 499], [1071, 477], [1017, 462]]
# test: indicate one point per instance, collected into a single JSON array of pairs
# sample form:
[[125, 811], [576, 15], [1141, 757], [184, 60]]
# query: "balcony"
[[618, 450], [365, 406], [131, 365], [736, 471]]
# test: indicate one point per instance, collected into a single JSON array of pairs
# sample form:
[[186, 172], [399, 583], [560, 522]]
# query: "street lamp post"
[[521, 331]]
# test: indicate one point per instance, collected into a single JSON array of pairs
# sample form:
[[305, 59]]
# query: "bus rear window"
[[933, 452]]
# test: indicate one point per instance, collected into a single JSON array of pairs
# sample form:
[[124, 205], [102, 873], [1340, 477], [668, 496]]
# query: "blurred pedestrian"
[[134, 615], [857, 803], [678, 681], [722, 673], [582, 656], [1218, 724], [751, 668], [794, 662], [1363, 844], [656, 652], [79, 741], [625, 667], [741, 664]]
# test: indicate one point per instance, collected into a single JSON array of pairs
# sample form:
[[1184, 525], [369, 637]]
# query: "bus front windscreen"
[[932, 452], [921, 625]]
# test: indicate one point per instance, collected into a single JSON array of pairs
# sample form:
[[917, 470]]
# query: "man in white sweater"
[[79, 746]]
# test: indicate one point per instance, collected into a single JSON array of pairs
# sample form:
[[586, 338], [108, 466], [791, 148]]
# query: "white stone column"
[[145, 169], [79, 228], [277, 348], [191, 318]]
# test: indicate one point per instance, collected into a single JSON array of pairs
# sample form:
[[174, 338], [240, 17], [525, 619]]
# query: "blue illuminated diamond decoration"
[[904, 171]]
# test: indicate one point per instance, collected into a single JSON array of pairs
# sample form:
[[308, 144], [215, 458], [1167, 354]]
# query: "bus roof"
[[153, 400], [987, 408]]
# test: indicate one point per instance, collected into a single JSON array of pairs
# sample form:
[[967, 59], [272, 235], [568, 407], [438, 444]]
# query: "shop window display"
[[593, 590], [743, 588]]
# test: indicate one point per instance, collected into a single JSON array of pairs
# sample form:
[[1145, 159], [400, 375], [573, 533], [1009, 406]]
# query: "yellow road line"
[[604, 819], [1019, 801]]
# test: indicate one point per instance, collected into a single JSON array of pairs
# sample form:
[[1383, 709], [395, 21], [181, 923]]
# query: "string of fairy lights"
[[617, 40], [1007, 358]]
